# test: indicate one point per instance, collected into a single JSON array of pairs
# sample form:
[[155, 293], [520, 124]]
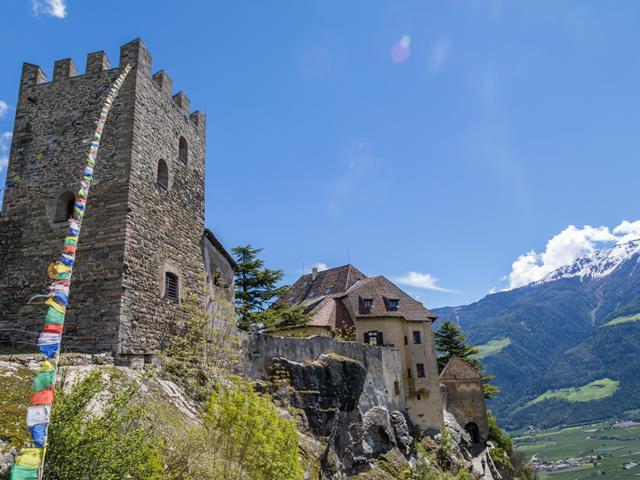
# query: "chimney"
[[314, 273]]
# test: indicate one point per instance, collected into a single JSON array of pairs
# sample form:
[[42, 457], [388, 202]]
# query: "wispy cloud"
[[4, 108], [424, 281], [565, 247], [5, 145], [320, 266], [53, 8], [438, 55]]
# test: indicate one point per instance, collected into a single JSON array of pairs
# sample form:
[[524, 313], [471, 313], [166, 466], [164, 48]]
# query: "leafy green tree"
[[243, 437], [115, 443], [451, 341], [256, 291]]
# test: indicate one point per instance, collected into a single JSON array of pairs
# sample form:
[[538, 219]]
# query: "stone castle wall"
[[382, 363], [131, 231]]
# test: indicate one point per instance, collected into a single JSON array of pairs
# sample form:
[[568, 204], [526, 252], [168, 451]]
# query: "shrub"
[[113, 444], [243, 437]]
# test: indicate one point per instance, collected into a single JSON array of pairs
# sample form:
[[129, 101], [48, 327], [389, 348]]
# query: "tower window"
[[64, 207], [183, 150], [409, 374], [171, 287], [163, 175], [420, 370], [416, 337]]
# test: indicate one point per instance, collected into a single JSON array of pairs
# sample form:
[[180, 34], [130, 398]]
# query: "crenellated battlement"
[[133, 53]]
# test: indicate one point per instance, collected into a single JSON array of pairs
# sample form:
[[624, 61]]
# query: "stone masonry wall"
[[164, 227], [31, 237], [382, 363], [132, 232]]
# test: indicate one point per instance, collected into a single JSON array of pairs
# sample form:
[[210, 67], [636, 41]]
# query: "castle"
[[145, 249], [144, 244]]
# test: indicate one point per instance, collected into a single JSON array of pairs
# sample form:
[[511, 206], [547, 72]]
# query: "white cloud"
[[425, 281], [54, 8], [5, 146], [4, 108], [438, 55], [628, 230], [320, 266], [567, 246]]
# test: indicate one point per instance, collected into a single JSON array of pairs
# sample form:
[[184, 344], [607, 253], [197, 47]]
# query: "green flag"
[[20, 472], [43, 380]]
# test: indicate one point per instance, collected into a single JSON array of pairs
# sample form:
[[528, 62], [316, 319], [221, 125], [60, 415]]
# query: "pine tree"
[[256, 291], [451, 341]]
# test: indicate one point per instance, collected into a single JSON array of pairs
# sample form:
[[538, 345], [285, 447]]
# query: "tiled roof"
[[381, 292], [458, 369], [327, 282]]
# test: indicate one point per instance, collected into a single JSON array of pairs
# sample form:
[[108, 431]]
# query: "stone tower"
[[140, 248], [464, 398]]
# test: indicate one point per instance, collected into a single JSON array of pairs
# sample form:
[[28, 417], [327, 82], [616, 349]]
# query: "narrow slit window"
[[183, 150], [420, 370], [163, 175], [171, 287], [64, 207]]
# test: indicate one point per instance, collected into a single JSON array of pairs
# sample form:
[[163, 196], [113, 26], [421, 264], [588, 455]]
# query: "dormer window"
[[392, 304], [328, 291], [365, 305]]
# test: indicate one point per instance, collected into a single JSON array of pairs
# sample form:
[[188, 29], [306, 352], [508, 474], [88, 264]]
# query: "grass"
[[492, 347], [596, 390], [621, 320], [615, 447], [15, 391]]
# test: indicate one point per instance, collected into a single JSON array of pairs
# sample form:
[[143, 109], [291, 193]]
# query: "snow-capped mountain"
[[579, 324], [596, 264]]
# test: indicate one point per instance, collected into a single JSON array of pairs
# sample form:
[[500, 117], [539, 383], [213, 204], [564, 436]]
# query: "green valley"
[[596, 390], [583, 452], [492, 347], [621, 320]]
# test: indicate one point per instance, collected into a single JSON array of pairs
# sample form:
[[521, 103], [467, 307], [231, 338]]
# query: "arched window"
[[183, 150], [171, 286], [163, 175], [64, 207]]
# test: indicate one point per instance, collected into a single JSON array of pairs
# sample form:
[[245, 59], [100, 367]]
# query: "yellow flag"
[[53, 304], [29, 457]]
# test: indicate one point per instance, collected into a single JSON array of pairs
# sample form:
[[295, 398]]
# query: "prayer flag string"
[[29, 465]]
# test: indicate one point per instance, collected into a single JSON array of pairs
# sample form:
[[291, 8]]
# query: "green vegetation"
[[243, 437], [15, 391], [612, 448], [256, 292], [492, 347], [596, 390], [620, 320], [511, 463], [118, 443], [450, 342]]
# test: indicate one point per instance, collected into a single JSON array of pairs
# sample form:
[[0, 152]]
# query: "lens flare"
[[401, 50]]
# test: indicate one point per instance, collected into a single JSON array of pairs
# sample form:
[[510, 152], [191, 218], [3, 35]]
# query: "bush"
[[112, 445], [243, 438]]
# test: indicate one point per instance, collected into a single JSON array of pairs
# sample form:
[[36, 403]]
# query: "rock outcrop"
[[324, 396]]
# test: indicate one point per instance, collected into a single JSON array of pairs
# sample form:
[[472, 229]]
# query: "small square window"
[[417, 340], [420, 370], [328, 291], [418, 397]]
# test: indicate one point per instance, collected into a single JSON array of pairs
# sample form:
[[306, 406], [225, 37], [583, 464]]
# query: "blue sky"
[[460, 141]]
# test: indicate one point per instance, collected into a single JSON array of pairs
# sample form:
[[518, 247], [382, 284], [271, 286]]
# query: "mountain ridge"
[[555, 339]]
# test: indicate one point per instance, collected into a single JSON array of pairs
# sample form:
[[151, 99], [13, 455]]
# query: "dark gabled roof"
[[218, 245], [381, 290], [327, 283], [458, 369]]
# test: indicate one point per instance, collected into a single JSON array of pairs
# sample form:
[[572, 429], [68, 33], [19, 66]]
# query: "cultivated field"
[[610, 449]]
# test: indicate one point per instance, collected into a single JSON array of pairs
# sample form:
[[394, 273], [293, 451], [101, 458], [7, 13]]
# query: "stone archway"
[[474, 431]]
